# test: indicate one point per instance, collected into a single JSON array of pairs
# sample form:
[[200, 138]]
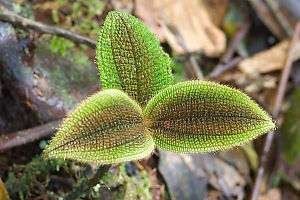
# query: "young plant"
[[139, 108]]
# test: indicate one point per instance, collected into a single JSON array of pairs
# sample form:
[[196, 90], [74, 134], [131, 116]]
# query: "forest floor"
[[47, 66]]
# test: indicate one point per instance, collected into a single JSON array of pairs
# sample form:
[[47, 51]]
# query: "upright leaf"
[[198, 116], [130, 58], [105, 128]]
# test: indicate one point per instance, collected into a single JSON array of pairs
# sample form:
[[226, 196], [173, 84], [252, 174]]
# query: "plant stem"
[[22, 137]]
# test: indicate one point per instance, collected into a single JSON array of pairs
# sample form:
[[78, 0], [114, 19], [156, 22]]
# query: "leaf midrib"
[[135, 60], [82, 136], [184, 118]]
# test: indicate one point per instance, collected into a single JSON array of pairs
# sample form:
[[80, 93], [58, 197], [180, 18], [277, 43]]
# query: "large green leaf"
[[130, 58], [199, 116], [105, 128]]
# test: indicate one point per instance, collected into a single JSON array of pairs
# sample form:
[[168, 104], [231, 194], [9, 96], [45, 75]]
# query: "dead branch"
[[17, 20], [196, 68], [18, 138], [192, 60], [267, 18], [234, 42], [277, 12], [279, 97], [226, 62], [292, 5], [221, 68]]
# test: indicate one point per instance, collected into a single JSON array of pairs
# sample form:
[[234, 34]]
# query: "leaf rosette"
[[139, 108]]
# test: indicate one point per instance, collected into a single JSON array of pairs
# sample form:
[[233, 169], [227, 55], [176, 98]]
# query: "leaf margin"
[[67, 125], [160, 98]]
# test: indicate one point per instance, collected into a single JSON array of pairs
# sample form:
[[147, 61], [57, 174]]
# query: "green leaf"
[[130, 58], [105, 128], [55, 43], [55, 16], [199, 116]]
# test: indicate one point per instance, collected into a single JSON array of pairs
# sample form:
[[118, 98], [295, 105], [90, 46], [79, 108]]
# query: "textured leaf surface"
[[130, 58], [196, 116], [105, 128]]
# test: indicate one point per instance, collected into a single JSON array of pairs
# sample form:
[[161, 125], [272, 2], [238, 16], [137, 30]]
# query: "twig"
[[277, 12], [267, 18], [17, 20], [234, 42], [286, 71], [196, 68], [18, 138], [192, 59], [292, 5], [221, 68], [279, 97], [226, 62]]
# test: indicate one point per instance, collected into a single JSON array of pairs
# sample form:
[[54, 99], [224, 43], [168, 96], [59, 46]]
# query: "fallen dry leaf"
[[225, 176], [217, 10], [3, 191], [181, 181], [237, 158], [273, 194], [123, 5], [147, 12], [214, 195], [192, 21], [48, 5], [269, 60], [195, 27]]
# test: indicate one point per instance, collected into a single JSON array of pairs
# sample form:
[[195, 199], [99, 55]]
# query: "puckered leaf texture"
[[199, 116], [130, 58], [189, 117], [105, 128]]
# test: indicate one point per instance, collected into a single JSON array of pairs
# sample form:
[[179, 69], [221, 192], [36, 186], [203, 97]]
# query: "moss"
[[24, 181], [39, 177], [73, 72]]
